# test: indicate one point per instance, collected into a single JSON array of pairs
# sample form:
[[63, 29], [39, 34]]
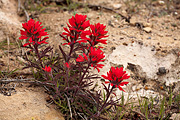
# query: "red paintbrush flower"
[[77, 24], [33, 31], [95, 56], [116, 76], [96, 33], [47, 69]]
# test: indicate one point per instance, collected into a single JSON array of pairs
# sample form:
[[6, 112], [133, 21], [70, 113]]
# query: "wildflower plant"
[[69, 75]]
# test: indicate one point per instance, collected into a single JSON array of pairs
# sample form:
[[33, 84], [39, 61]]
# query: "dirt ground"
[[150, 40], [27, 103]]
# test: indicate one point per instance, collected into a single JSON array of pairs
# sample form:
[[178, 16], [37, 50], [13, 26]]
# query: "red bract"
[[33, 31], [47, 69], [66, 65], [96, 33], [116, 76], [82, 59], [95, 56], [77, 24]]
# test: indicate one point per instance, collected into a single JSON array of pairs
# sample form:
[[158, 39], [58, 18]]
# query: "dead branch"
[[84, 118], [139, 113], [69, 105], [19, 5], [8, 42], [28, 80], [22, 7]]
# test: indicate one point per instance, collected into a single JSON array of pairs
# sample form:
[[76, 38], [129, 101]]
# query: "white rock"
[[175, 13], [161, 2], [175, 116], [124, 12], [145, 58], [117, 6], [116, 21]]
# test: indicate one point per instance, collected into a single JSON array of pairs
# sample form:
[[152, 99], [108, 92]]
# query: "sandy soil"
[[28, 103], [127, 43]]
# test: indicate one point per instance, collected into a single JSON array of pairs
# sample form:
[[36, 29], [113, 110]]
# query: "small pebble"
[[117, 6], [146, 87], [161, 2], [140, 42], [125, 44], [147, 29], [158, 49], [153, 49], [164, 51], [113, 48], [174, 25], [161, 71], [110, 23], [175, 13]]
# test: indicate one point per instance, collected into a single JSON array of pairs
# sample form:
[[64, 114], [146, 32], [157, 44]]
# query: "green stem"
[[102, 107], [79, 84], [37, 53]]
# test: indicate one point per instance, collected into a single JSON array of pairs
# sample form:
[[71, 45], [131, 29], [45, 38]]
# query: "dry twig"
[[22, 7], [28, 80], [69, 105], [8, 42], [139, 113], [84, 118]]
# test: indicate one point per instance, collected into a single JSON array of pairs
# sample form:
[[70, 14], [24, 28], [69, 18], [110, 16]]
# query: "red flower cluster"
[[47, 69], [77, 32], [33, 31], [76, 25], [95, 56], [96, 33], [116, 76]]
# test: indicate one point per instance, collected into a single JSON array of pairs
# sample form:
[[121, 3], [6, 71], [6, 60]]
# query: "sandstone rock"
[[124, 12], [27, 104], [9, 23], [147, 29], [133, 22], [146, 24]]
